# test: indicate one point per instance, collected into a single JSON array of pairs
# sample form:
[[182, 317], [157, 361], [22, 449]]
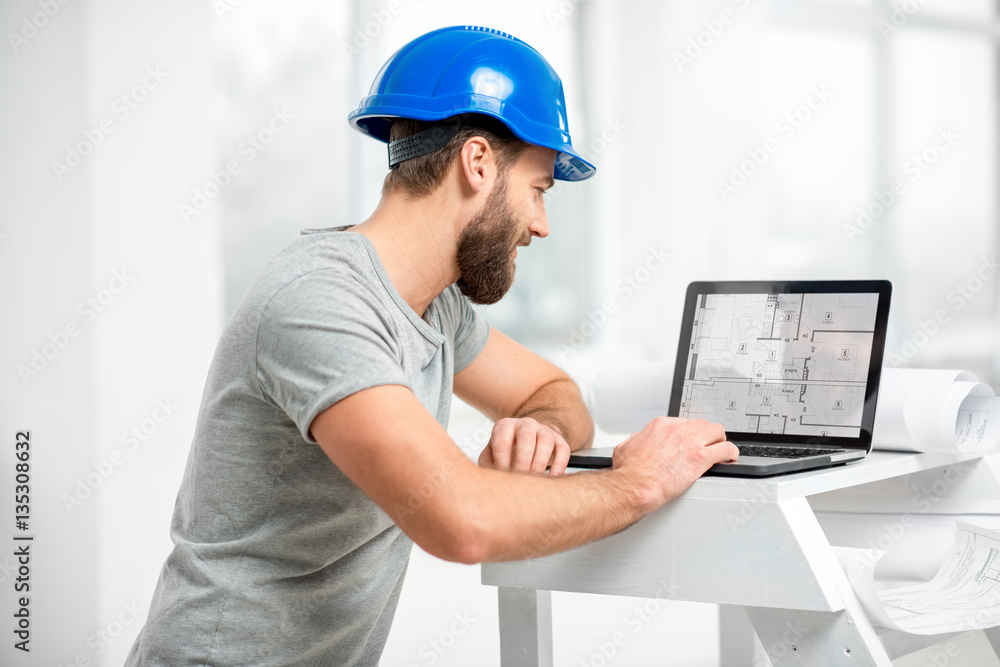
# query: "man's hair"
[[420, 176]]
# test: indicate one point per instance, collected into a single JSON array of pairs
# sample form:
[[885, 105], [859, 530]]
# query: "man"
[[321, 453]]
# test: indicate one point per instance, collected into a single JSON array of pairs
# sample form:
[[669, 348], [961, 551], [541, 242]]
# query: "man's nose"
[[540, 225]]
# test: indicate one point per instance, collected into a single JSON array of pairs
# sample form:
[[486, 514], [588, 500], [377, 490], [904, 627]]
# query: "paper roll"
[[931, 410]]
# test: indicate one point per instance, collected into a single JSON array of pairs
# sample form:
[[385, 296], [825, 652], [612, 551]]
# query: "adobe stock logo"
[[914, 168], [714, 28], [58, 340], [624, 289], [121, 108], [786, 127], [362, 35], [131, 440], [249, 149], [30, 27]]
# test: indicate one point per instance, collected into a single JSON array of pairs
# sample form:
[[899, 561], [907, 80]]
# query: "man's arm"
[[528, 397], [387, 443]]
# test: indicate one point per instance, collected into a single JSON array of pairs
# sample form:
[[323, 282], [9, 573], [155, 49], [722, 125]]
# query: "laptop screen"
[[785, 361]]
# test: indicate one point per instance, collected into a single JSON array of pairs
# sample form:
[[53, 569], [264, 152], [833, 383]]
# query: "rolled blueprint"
[[921, 410], [624, 397]]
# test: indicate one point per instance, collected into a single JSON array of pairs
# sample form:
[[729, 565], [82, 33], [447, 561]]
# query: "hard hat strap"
[[418, 144]]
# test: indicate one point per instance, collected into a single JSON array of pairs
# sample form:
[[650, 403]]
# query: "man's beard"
[[486, 249]]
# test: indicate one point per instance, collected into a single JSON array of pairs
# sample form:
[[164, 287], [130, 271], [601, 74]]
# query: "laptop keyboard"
[[783, 452]]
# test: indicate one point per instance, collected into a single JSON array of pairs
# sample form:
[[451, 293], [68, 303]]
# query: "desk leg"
[[736, 644], [794, 637], [525, 627]]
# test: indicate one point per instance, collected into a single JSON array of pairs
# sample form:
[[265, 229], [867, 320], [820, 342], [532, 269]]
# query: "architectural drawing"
[[793, 364]]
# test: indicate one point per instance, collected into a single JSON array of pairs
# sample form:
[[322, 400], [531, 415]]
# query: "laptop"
[[791, 369]]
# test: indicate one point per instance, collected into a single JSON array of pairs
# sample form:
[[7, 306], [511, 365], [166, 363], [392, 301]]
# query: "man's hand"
[[525, 445], [507, 380], [669, 454]]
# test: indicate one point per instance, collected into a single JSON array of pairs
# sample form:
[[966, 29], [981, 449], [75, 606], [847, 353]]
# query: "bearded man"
[[320, 454]]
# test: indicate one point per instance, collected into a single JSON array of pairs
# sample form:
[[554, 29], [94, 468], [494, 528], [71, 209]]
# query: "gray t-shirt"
[[279, 559]]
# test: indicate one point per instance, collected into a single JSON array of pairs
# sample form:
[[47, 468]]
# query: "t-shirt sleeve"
[[321, 338], [469, 329]]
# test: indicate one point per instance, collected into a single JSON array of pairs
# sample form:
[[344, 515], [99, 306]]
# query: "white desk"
[[755, 547]]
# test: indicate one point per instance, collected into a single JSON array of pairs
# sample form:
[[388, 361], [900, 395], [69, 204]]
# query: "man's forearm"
[[394, 450], [526, 516], [559, 405]]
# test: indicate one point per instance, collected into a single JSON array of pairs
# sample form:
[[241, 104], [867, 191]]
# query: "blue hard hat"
[[468, 69]]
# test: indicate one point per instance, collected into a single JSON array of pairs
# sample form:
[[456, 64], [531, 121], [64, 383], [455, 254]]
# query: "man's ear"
[[476, 163]]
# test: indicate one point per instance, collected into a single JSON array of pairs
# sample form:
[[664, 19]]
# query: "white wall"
[[153, 339], [154, 349], [46, 269]]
